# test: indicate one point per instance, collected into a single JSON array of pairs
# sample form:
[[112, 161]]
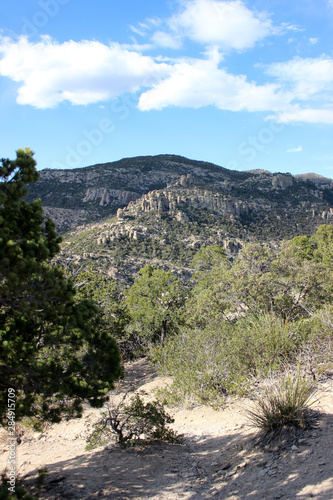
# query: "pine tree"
[[156, 302], [52, 352]]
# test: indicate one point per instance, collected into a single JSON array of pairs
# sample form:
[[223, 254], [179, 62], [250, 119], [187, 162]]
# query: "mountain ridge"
[[96, 192], [160, 210]]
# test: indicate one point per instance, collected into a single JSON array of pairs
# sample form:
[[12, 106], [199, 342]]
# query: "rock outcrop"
[[282, 181], [173, 184], [176, 199], [121, 230], [109, 196]]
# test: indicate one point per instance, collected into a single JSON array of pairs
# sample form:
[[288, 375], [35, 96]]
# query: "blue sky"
[[243, 84]]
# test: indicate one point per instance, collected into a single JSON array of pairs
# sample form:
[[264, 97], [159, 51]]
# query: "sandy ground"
[[216, 460]]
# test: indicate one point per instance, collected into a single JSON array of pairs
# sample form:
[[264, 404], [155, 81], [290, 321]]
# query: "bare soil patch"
[[216, 460]]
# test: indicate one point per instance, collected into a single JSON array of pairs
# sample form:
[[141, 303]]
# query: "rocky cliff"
[[168, 183], [161, 210], [80, 196]]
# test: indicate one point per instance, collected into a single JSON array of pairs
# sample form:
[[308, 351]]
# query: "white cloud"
[[143, 28], [291, 27], [295, 150], [138, 31], [305, 116], [48, 73], [305, 77], [166, 40], [307, 81], [80, 72], [197, 83], [228, 24]]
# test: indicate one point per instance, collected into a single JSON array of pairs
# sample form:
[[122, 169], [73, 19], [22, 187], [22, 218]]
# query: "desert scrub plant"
[[265, 342], [134, 423], [42, 473], [20, 492], [317, 348], [224, 358], [283, 407]]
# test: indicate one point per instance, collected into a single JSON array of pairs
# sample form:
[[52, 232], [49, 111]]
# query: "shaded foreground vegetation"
[[54, 354]]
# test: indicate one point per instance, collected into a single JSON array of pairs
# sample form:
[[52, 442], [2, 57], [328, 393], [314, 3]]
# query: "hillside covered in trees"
[[218, 287], [227, 273]]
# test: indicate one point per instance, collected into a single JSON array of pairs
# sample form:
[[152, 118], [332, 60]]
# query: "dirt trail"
[[215, 461]]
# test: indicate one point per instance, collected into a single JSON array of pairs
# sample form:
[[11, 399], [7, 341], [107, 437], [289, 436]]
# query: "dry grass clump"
[[284, 407]]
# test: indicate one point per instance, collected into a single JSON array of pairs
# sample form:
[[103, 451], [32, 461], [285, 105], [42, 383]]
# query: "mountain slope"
[[73, 197], [161, 210]]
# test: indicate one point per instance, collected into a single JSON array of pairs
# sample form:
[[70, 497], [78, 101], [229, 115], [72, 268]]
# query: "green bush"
[[199, 368], [135, 423], [317, 341], [224, 357], [19, 494]]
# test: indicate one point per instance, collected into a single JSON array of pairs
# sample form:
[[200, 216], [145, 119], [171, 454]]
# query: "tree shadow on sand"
[[203, 467]]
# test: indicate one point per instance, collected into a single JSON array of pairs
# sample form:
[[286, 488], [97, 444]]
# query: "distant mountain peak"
[[313, 176], [259, 171], [95, 193]]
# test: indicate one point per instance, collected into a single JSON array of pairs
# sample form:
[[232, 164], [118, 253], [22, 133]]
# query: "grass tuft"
[[283, 408]]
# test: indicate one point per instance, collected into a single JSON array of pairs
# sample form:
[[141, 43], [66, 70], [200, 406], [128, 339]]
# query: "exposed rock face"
[[327, 214], [110, 196], [173, 184], [186, 180], [181, 217], [282, 181], [231, 246], [66, 219], [100, 190], [121, 230], [173, 200]]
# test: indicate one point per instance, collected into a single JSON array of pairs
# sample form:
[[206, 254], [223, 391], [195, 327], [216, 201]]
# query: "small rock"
[[56, 479], [225, 466], [231, 473], [247, 446]]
